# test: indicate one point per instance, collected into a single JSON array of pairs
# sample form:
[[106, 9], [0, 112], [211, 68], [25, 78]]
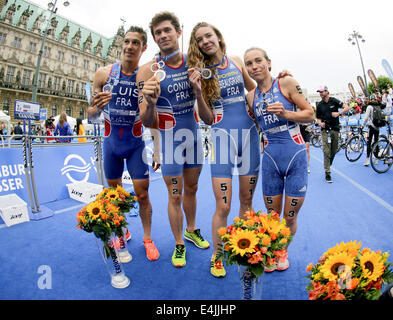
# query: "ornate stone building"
[[70, 57]]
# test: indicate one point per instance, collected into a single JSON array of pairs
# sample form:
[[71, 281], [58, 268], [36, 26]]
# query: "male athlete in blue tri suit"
[[284, 163], [168, 103], [116, 94]]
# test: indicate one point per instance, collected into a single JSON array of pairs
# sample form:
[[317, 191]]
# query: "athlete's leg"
[[292, 207], [114, 182], [141, 188], [174, 185], [273, 203], [247, 186], [191, 177], [222, 188]]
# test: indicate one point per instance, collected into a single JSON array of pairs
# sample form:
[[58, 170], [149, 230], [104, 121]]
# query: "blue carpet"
[[356, 206]]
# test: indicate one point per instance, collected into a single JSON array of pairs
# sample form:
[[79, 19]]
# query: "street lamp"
[[52, 9], [354, 39]]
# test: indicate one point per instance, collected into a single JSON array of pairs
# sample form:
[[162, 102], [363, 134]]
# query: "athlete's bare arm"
[[249, 84], [205, 113], [148, 92], [99, 99], [293, 92]]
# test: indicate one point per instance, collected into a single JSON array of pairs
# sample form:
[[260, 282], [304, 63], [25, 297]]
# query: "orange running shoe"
[[128, 235], [151, 250]]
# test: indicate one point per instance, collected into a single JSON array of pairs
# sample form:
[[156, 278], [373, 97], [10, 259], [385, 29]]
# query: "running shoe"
[[271, 267], [151, 250], [196, 238], [367, 162], [217, 268], [328, 178], [179, 256], [128, 235], [283, 263]]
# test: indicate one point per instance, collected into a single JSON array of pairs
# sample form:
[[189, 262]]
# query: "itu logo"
[[76, 164]]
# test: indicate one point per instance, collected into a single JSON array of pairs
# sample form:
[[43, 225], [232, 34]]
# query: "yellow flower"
[[112, 195], [352, 248], [243, 241], [122, 190], [95, 209], [372, 265], [335, 264]]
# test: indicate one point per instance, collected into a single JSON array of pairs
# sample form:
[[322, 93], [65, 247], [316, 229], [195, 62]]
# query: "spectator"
[[373, 131], [63, 128], [18, 131], [3, 130], [387, 101], [50, 129], [80, 130]]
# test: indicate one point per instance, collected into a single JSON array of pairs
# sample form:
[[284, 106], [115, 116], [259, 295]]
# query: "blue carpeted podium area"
[[358, 205]]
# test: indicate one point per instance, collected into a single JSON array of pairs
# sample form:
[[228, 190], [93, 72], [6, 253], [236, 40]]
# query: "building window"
[[3, 36], [10, 74], [96, 67], [70, 87], [86, 64], [46, 52], [54, 111], [6, 106], [56, 83], [17, 42], [32, 47], [82, 113], [26, 79], [68, 111], [41, 80], [73, 60], [60, 56]]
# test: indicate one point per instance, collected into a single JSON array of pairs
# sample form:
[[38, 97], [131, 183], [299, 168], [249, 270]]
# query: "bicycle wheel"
[[381, 157], [354, 149], [316, 141]]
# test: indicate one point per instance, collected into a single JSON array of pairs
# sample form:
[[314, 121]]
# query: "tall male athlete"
[[169, 104], [116, 94]]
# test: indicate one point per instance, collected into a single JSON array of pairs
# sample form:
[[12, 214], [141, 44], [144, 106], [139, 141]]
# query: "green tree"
[[382, 83]]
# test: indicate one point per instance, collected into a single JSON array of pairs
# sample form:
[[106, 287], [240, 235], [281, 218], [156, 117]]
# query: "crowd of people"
[[48, 129]]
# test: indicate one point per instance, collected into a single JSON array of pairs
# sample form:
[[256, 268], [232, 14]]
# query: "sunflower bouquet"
[[102, 217], [254, 242], [119, 197], [348, 272]]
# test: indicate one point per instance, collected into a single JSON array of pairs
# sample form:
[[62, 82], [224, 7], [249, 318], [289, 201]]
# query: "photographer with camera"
[[328, 118]]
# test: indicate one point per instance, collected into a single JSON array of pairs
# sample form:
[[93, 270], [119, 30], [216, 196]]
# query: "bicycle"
[[316, 136], [381, 157], [355, 145]]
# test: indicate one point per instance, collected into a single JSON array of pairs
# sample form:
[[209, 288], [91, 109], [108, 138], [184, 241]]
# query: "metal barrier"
[[28, 143]]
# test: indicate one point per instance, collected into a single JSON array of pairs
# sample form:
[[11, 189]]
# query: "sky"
[[307, 38]]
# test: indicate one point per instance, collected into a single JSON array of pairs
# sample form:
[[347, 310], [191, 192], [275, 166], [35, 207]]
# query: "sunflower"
[[335, 264], [120, 189], [243, 241], [372, 265], [352, 248], [95, 209], [112, 195]]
